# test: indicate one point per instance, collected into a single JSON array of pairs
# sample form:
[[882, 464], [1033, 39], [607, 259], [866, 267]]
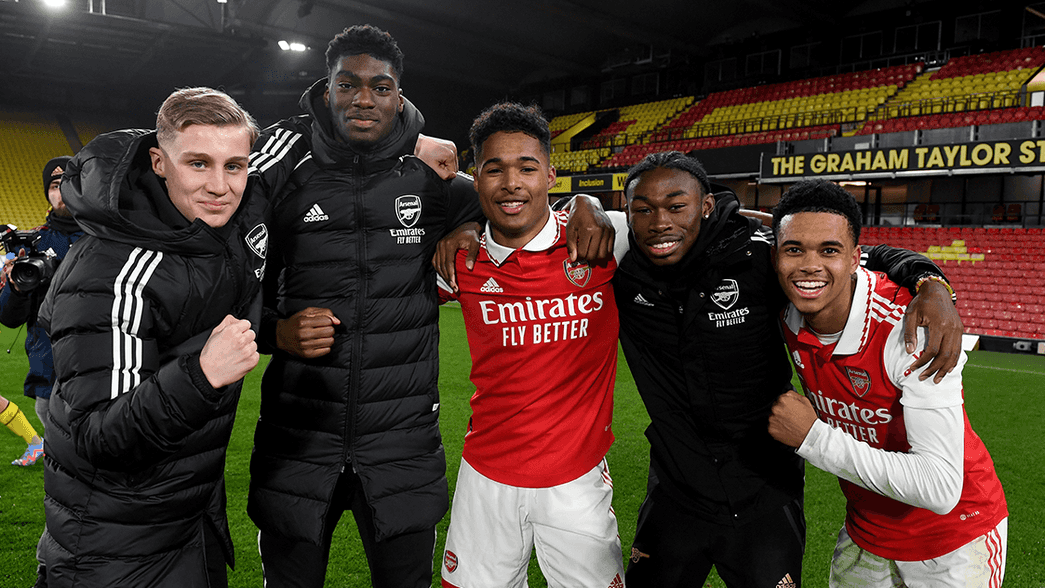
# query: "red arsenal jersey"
[[543, 338], [860, 385]]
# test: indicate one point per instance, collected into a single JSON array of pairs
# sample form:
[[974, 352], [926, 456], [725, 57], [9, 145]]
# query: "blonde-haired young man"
[[151, 322]]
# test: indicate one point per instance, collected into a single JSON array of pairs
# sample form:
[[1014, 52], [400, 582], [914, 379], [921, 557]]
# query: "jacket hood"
[[331, 152], [113, 194]]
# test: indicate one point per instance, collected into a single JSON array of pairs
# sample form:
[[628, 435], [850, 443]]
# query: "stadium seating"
[[27, 141], [560, 123], [995, 272], [846, 97], [970, 90], [637, 121], [578, 161], [950, 120]]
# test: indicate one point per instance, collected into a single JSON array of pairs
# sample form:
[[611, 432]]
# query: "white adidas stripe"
[[127, 309], [275, 148]]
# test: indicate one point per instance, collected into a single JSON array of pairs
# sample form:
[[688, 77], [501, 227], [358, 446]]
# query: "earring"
[[707, 216]]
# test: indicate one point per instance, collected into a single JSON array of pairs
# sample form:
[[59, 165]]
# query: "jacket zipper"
[[354, 380]]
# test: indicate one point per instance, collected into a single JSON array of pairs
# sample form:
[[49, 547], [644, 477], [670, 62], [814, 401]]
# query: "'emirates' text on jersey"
[[543, 338], [856, 385]]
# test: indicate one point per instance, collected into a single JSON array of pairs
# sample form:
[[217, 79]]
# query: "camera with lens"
[[34, 269]]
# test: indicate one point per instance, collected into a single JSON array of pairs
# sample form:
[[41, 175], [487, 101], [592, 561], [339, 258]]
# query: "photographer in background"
[[19, 304]]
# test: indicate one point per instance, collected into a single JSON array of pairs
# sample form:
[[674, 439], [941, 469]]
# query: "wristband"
[[935, 278]]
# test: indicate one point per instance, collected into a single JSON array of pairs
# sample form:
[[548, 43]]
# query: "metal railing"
[[948, 214], [846, 118]]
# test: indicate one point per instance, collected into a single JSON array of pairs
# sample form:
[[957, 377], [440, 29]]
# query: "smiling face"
[[513, 177], [665, 209], [815, 259], [364, 99], [206, 170]]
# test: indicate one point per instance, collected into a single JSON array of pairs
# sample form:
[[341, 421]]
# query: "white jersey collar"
[[857, 325], [543, 240]]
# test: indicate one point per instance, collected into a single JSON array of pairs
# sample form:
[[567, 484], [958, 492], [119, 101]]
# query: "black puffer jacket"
[[136, 443], [355, 233], [703, 341]]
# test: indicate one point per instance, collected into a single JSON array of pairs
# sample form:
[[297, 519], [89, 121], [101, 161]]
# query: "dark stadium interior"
[[460, 54], [921, 107], [931, 113]]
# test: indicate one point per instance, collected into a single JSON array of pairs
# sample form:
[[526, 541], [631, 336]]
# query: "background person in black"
[[57, 235], [699, 305]]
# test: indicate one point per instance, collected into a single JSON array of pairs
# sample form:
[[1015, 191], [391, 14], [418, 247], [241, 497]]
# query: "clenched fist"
[[307, 333], [791, 419], [229, 353]]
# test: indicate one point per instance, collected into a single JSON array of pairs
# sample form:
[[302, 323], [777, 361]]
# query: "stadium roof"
[[460, 54]]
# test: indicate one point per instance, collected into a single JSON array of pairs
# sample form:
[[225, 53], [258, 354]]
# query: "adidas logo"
[[640, 299], [786, 582], [316, 214], [490, 286]]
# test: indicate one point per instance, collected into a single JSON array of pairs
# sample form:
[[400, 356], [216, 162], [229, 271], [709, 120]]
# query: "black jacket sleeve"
[[463, 206], [902, 266], [15, 307]]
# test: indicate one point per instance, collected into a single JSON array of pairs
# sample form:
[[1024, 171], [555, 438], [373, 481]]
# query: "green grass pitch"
[[1005, 396]]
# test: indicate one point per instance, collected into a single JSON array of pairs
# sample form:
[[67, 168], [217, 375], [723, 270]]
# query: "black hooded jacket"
[[703, 341], [353, 232], [137, 436]]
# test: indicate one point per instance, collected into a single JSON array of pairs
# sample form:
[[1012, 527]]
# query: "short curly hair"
[[669, 160], [365, 40], [819, 196], [510, 117]]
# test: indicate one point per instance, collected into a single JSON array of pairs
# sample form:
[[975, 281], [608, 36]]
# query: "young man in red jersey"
[[924, 505], [543, 337]]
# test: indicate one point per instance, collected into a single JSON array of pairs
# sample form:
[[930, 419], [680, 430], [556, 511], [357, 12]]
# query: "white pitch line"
[[1000, 369]]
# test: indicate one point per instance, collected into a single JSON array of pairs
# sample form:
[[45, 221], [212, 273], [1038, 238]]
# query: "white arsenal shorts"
[[494, 528], [979, 563]]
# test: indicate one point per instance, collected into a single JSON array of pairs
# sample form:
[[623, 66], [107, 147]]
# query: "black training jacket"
[[137, 436], [703, 341], [355, 233]]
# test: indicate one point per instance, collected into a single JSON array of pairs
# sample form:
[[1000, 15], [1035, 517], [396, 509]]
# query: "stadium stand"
[[802, 103], [560, 123], [578, 161], [955, 119], [637, 121], [989, 83], [994, 270], [970, 90], [27, 142]]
